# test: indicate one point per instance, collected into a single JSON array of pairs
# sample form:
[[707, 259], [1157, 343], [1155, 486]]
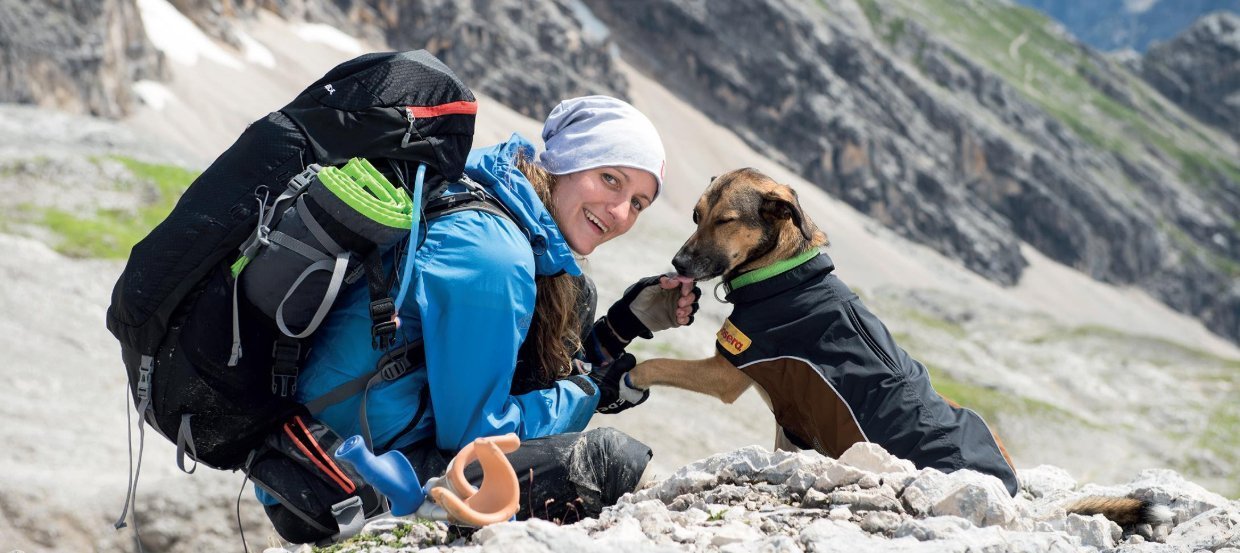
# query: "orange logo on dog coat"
[[732, 339]]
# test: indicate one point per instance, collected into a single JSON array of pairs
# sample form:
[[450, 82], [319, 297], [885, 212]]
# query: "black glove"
[[647, 308], [616, 392]]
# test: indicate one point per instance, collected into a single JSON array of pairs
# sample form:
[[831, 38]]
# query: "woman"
[[486, 282]]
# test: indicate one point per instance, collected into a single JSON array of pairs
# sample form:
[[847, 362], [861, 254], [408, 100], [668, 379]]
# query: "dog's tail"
[[1124, 511]]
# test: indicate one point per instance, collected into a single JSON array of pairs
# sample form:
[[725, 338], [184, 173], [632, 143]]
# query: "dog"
[[826, 366]]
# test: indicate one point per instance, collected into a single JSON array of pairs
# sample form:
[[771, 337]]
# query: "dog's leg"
[[993, 434], [713, 376], [782, 442]]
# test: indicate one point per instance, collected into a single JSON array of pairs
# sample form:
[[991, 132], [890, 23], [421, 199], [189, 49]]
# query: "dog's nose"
[[682, 262]]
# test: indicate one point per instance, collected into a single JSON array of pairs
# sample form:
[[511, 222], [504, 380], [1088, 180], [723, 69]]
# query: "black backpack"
[[173, 307]]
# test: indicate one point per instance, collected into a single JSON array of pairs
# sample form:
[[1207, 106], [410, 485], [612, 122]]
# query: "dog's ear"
[[781, 202]]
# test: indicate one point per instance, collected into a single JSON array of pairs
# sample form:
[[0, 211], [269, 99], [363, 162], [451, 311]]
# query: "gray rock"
[[1094, 531], [1212, 530], [1200, 70], [1044, 480], [871, 457], [78, 57]]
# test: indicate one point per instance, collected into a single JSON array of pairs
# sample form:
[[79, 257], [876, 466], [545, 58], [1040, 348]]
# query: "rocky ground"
[[752, 499]]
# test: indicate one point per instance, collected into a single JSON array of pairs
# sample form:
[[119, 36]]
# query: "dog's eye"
[[724, 220], [695, 217]]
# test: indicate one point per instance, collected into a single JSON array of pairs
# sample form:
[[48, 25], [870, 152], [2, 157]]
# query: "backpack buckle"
[[300, 180], [284, 368], [383, 323]]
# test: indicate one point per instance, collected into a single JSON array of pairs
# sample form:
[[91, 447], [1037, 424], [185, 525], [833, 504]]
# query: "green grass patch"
[[109, 233], [1221, 437], [992, 404], [1145, 346]]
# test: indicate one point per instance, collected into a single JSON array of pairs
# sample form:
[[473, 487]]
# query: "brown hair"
[[554, 330]]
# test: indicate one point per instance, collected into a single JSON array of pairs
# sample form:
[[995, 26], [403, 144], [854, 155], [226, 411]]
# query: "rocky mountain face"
[[528, 55], [1123, 24], [969, 127], [79, 56], [1200, 70]]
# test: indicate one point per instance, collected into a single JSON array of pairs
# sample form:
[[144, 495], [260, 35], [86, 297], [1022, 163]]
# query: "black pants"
[[564, 477]]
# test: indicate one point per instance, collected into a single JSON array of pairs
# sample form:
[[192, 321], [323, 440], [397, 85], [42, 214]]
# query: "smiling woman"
[[497, 301]]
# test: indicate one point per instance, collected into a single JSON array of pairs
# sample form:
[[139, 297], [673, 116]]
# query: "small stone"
[[840, 513], [871, 457], [879, 522]]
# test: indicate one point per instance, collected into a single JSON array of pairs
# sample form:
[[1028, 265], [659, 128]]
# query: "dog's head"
[[745, 220]]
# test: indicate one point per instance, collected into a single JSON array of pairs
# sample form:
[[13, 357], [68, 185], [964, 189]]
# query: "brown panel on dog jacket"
[[835, 376]]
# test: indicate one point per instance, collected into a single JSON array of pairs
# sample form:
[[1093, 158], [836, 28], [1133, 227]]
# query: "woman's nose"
[[620, 210]]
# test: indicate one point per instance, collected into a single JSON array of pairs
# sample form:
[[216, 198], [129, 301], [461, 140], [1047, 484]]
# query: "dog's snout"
[[682, 263]]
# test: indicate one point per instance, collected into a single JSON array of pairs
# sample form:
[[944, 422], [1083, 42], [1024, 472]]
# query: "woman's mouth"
[[598, 223]]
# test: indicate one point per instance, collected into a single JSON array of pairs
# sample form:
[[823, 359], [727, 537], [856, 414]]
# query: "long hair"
[[554, 331]]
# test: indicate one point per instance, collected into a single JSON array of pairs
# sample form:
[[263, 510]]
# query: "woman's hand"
[[653, 304]]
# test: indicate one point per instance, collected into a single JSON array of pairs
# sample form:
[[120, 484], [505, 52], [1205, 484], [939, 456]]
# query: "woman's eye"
[[610, 180], [637, 205]]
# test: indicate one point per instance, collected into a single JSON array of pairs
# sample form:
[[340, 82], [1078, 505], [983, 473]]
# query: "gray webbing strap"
[[236, 326], [144, 404], [302, 249], [338, 269], [185, 442], [350, 517], [315, 228]]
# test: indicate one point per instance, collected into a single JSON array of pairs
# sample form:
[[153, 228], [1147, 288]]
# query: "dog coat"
[[836, 377]]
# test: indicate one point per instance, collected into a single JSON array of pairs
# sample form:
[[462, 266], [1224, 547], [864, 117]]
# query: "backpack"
[[210, 347]]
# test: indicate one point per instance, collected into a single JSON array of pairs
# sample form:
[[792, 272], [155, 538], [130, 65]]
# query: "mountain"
[[972, 127], [1128, 24], [1200, 70], [1093, 375]]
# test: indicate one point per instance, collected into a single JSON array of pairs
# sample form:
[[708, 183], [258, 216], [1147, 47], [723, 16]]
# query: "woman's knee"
[[610, 460]]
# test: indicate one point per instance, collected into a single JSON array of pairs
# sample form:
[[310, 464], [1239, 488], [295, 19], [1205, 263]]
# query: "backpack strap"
[[398, 361]]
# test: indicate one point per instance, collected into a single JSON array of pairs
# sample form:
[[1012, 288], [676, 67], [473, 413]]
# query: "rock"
[[978, 498], [1198, 70], [78, 57], [871, 457], [1211, 530], [1094, 531], [933, 528], [1044, 480]]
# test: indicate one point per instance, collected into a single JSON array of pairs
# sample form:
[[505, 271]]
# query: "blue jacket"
[[470, 301]]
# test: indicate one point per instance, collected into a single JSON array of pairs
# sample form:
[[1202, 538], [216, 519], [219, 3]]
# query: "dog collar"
[[771, 270]]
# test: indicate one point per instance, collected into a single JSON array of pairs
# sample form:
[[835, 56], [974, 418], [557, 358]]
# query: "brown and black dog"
[[826, 366]]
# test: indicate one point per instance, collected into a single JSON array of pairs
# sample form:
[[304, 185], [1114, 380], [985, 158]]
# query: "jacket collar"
[[810, 269], [494, 167]]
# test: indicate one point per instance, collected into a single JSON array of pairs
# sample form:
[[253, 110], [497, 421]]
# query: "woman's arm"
[[476, 292]]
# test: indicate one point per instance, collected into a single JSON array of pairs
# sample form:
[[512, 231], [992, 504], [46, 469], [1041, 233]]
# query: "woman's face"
[[596, 205]]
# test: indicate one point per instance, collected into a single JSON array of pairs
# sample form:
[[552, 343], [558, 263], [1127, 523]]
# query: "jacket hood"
[[494, 167]]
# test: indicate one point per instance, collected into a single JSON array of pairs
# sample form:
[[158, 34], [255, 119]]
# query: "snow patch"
[[1138, 6], [331, 36], [178, 37], [153, 94], [592, 27], [255, 52]]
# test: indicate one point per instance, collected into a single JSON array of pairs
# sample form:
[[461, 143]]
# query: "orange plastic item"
[[497, 501]]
